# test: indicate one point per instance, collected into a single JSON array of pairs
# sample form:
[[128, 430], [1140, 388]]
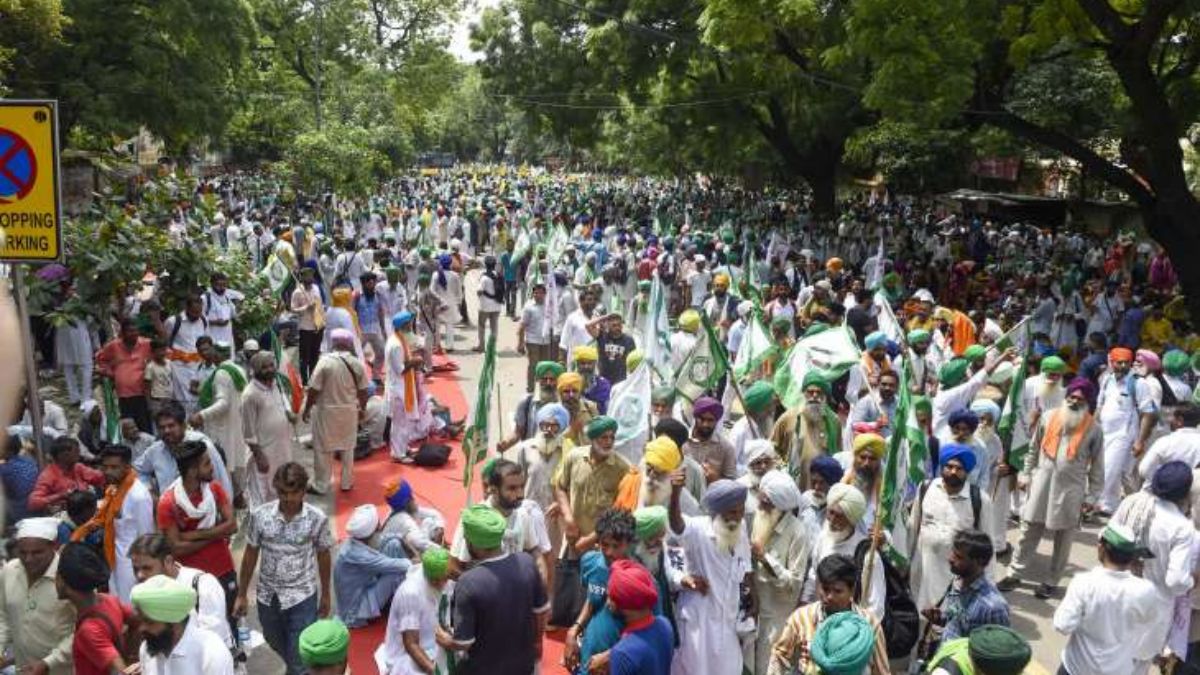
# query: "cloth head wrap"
[[758, 448], [38, 528], [975, 353], [707, 405], [1150, 360], [843, 644], [876, 339], [662, 394], [161, 598], [585, 354], [650, 520], [1175, 362], [1172, 481], [1120, 354], [630, 586], [570, 380], [780, 489], [848, 500], [918, 335], [556, 412], [998, 650], [814, 379], [673, 429], [744, 307], [324, 643], [483, 526], [1082, 385], [872, 442], [634, 359], [923, 404], [964, 416], [834, 264], [724, 495], [342, 337], [721, 280], [398, 494], [689, 321], [663, 455], [363, 521], [435, 563], [983, 406], [544, 368], [965, 454], [953, 372], [600, 425], [828, 468], [1053, 364], [401, 319]]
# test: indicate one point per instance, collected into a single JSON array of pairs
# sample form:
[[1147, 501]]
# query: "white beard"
[[1072, 418], [829, 538], [654, 492], [1049, 393], [727, 536], [985, 433], [752, 480], [651, 560], [764, 525], [813, 412], [547, 447]]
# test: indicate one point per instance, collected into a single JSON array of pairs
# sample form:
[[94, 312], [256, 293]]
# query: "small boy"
[[158, 377]]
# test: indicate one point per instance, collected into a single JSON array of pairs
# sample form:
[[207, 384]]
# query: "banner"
[[831, 353], [475, 440]]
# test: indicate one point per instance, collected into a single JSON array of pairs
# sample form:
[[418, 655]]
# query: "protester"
[[971, 599], [410, 528], [365, 579], [124, 360], [324, 647], [151, 556], [171, 643], [416, 642], [267, 427], [62, 476], [100, 619], [36, 624], [337, 397], [647, 642]]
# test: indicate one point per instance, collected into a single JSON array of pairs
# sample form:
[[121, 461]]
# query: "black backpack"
[[901, 620]]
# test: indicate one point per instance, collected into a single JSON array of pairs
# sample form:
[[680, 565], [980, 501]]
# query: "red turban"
[[630, 586], [1120, 354]]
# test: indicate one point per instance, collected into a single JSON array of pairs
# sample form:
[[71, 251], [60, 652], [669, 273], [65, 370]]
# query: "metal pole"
[[33, 398], [317, 59]]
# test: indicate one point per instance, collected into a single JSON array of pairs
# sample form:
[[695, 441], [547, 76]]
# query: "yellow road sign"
[[30, 206]]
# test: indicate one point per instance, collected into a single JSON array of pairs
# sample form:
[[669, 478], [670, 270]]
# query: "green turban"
[[483, 526], [324, 643], [544, 368], [781, 323], [161, 598], [644, 285], [758, 396], [975, 353], [599, 425], [1053, 364], [1175, 363], [813, 379], [923, 404], [953, 372], [435, 563], [651, 520], [918, 335], [818, 327], [424, 251], [843, 644], [666, 394], [998, 650]]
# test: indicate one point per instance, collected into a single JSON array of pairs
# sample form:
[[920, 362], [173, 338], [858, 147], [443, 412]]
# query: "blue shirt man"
[[647, 642]]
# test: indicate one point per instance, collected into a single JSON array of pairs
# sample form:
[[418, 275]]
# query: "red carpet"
[[440, 488]]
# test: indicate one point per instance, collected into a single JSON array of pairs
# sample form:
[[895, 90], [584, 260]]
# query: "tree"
[[28, 30], [979, 60]]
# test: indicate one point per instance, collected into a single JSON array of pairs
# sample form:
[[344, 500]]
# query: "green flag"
[[756, 345], [830, 352], [1014, 437], [475, 440], [112, 413], [704, 365]]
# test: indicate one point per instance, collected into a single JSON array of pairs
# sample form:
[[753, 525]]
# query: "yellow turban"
[[585, 354], [570, 380], [663, 455], [872, 442], [690, 320], [721, 280]]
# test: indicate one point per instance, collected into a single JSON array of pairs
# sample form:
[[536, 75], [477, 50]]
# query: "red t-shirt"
[[95, 644], [215, 558]]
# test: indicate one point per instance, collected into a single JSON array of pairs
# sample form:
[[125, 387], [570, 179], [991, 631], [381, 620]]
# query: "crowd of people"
[[764, 510]]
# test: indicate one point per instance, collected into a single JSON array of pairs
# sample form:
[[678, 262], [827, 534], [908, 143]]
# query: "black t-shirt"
[[494, 605], [612, 356], [860, 321]]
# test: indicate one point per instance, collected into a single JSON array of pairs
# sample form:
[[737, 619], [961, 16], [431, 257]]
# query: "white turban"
[[758, 448], [363, 522], [780, 489], [38, 528], [744, 307], [847, 499]]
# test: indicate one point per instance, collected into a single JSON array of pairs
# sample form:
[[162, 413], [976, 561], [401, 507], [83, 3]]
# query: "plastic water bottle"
[[243, 632]]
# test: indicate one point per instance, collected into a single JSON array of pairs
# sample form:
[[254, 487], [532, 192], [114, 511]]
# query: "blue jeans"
[[282, 627]]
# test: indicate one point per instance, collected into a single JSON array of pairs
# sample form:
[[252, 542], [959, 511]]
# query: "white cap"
[[38, 528], [363, 522], [250, 346]]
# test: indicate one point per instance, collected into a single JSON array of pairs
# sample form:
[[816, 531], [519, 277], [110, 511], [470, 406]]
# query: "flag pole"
[[719, 348]]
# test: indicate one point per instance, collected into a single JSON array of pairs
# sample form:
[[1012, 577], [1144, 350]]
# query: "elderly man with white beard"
[[649, 549], [759, 399], [1043, 392], [539, 457], [1064, 469], [866, 472], [718, 557], [760, 458], [1001, 475], [808, 430], [845, 507], [649, 483], [780, 545]]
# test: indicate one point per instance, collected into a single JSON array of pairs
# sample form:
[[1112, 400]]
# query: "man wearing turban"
[[944, 506], [648, 643], [923, 363], [410, 528], [866, 473], [267, 425], [596, 388], [1127, 415], [40, 624], [365, 578], [685, 338], [808, 430], [336, 397], [162, 606], [1043, 392], [525, 419], [540, 456], [588, 480], [404, 382], [721, 306], [780, 545], [324, 647], [718, 559], [410, 646], [706, 445], [864, 375], [570, 393], [1061, 474], [649, 483], [1000, 478], [958, 386], [877, 411], [960, 429], [845, 509], [759, 399]]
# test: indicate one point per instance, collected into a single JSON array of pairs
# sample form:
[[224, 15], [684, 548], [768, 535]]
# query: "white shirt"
[[1115, 405], [1097, 612], [198, 652], [414, 607], [697, 282], [488, 286], [574, 334], [1182, 445], [221, 307], [210, 612]]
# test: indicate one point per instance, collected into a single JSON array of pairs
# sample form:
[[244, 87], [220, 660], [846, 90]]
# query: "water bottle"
[[243, 632]]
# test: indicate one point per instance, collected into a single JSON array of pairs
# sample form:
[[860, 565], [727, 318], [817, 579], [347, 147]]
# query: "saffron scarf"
[[1054, 430], [107, 515], [410, 376]]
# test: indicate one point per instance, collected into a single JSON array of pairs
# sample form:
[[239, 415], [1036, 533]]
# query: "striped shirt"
[[791, 650]]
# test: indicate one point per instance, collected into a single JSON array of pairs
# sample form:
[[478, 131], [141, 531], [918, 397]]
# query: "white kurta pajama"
[[185, 360], [223, 422], [266, 424], [940, 516], [73, 350], [707, 622], [411, 420], [778, 580], [136, 519], [1118, 410]]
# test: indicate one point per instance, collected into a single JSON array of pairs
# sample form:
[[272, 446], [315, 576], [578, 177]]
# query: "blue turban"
[[964, 416], [724, 495], [828, 468], [399, 495], [401, 319], [876, 339], [961, 452], [556, 412], [1172, 481], [983, 406]]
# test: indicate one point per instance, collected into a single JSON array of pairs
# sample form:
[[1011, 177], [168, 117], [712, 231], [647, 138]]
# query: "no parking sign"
[[30, 206]]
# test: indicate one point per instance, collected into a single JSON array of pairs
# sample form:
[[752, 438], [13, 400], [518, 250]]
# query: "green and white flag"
[[1014, 437], [704, 365], [756, 345], [630, 404], [903, 469], [831, 353], [475, 440], [277, 274], [112, 414], [656, 332], [889, 325]]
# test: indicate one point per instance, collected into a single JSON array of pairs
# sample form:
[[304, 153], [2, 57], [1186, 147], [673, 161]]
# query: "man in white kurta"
[[415, 611], [181, 332], [405, 388], [1125, 410], [135, 518], [221, 418], [267, 427], [337, 394], [73, 350], [718, 557], [220, 308]]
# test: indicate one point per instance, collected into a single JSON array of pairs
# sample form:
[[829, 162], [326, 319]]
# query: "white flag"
[[550, 315], [831, 353], [889, 325], [630, 404], [656, 332]]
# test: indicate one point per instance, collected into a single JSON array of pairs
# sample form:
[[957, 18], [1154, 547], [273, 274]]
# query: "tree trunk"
[[822, 180], [1172, 223]]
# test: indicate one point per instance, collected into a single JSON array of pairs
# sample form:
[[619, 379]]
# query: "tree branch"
[[1150, 28], [1107, 20], [785, 47]]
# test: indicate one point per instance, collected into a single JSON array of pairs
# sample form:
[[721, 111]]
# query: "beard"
[[603, 452], [548, 393], [727, 534], [548, 446], [752, 480], [1049, 390], [985, 433], [160, 644], [763, 525], [1071, 418], [831, 537], [654, 491], [813, 411], [651, 559]]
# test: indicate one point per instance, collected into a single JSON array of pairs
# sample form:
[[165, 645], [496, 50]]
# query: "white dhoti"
[[1118, 460]]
